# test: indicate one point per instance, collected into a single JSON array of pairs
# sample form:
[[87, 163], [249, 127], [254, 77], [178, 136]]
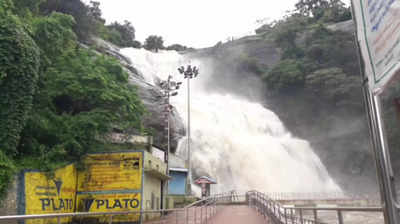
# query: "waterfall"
[[241, 144]]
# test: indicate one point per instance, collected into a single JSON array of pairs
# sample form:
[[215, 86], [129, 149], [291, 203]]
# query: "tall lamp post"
[[189, 73], [170, 89]]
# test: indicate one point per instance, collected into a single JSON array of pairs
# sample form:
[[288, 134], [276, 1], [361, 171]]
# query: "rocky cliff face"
[[152, 98], [338, 134]]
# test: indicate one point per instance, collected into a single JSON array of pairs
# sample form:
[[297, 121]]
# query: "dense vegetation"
[[88, 22], [310, 62], [58, 100], [310, 65]]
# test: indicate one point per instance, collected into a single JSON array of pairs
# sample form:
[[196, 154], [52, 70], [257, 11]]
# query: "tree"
[[82, 98], [333, 84], [154, 42], [23, 7], [122, 35], [312, 8], [57, 101], [54, 35], [5, 7], [19, 60], [19, 68], [286, 75], [327, 10], [86, 22], [177, 47], [95, 11], [285, 33], [336, 12]]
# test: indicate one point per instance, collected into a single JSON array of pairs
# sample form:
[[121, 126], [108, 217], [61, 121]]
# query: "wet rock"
[[152, 98]]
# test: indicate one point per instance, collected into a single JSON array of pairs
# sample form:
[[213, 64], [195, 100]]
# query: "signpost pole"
[[375, 122]]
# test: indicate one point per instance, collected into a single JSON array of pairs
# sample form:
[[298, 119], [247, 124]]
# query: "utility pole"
[[169, 88], [188, 74]]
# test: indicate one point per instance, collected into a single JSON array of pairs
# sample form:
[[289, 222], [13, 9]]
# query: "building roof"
[[206, 180]]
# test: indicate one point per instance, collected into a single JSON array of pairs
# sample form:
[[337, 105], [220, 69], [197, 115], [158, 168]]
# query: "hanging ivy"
[[19, 64]]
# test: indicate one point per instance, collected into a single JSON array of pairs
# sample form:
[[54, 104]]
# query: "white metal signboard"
[[378, 30]]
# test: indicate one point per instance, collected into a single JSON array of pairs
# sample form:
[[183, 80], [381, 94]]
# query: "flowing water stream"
[[241, 144]]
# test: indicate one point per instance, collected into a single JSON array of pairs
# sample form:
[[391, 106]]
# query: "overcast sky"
[[194, 23]]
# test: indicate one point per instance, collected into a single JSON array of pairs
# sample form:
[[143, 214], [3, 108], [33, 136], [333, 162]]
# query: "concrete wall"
[[154, 170], [9, 204], [153, 163], [152, 186]]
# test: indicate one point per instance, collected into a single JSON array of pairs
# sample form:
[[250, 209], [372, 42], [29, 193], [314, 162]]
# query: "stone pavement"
[[239, 214]]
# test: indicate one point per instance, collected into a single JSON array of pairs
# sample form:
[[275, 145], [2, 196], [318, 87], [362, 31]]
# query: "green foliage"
[[83, 98], [338, 12], [86, 22], [285, 33], [332, 84], [122, 35], [248, 64], [286, 75], [19, 63], [54, 34], [319, 49], [177, 47], [154, 42], [95, 11], [6, 6], [79, 98], [24, 7], [307, 49], [324, 10]]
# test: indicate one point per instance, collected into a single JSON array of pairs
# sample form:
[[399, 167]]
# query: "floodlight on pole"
[[189, 73], [169, 88]]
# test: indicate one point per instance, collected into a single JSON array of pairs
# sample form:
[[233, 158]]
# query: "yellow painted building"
[[119, 181], [44, 193], [111, 182]]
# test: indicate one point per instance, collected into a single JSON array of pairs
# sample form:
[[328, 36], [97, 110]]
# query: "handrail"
[[279, 214], [346, 209], [320, 196], [201, 211]]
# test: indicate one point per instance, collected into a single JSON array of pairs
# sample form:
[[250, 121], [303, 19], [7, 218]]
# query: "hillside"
[[311, 82], [64, 92], [64, 89]]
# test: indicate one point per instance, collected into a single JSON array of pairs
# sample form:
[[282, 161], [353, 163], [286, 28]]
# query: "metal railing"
[[198, 212], [202, 211], [279, 214], [320, 196]]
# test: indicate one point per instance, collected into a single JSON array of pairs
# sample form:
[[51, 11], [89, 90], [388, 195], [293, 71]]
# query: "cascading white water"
[[240, 143]]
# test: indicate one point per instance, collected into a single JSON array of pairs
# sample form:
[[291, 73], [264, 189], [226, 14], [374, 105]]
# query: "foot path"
[[241, 214]]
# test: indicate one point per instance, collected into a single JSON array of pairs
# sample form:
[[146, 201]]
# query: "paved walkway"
[[239, 214]]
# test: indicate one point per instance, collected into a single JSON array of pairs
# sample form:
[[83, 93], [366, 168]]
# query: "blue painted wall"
[[177, 185]]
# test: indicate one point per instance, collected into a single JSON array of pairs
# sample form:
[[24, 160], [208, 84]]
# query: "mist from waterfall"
[[241, 144]]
